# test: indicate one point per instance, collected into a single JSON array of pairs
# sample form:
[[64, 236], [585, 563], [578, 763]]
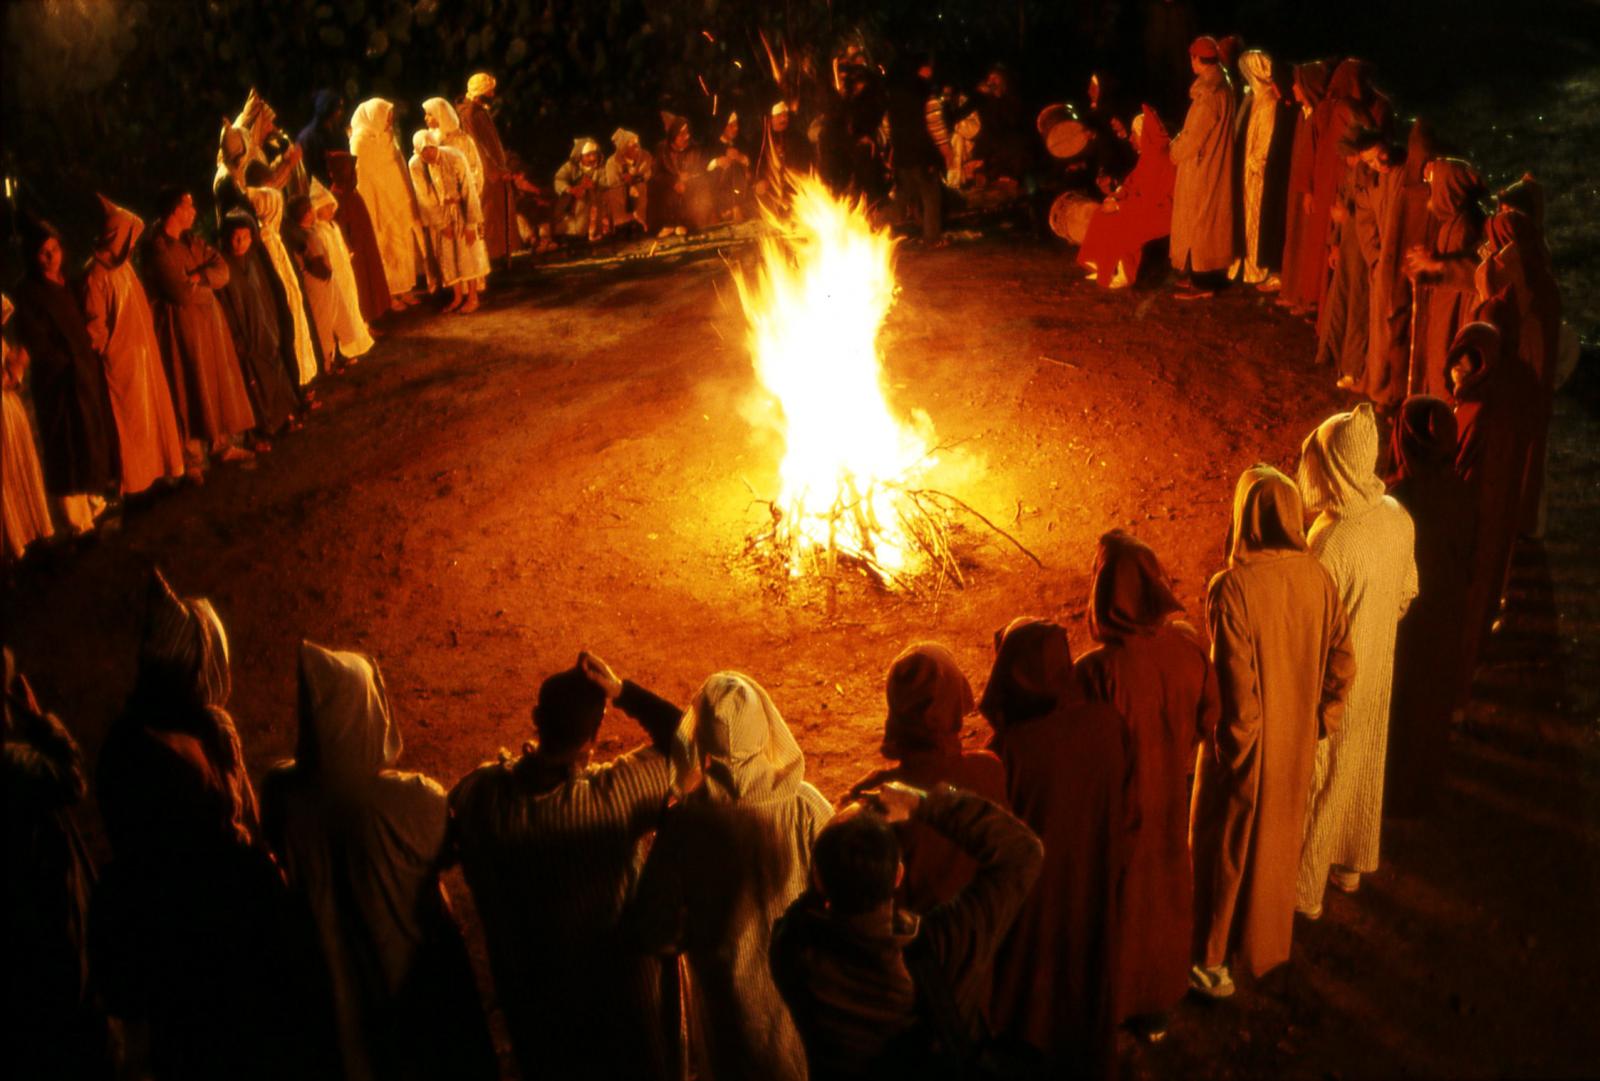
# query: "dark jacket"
[[846, 981]]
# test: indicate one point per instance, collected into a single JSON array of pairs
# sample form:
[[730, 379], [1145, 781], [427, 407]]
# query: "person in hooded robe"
[[680, 197], [385, 187], [929, 699], [269, 211], [447, 208], [1430, 676], [228, 184], [250, 305], [1496, 401], [183, 273], [1280, 640], [1441, 271], [1203, 190], [77, 434], [362, 844], [729, 169], [551, 844], [323, 134], [54, 1024], [441, 116], [627, 181], [1365, 540], [1066, 762], [1135, 213], [1259, 116], [350, 331], [1406, 223], [503, 182], [24, 510], [1343, 319], [191, 932], [355, 223], [579, 184], [1304, 256], [1517, 291], [1272, 217], [730, 855], [315, 267], [123, 332], [1154, 671]]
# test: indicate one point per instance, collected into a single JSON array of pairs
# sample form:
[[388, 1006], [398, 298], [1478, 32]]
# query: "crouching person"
[[877, 990]]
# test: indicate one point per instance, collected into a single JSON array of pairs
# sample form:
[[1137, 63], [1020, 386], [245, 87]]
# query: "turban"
[[480, 84]]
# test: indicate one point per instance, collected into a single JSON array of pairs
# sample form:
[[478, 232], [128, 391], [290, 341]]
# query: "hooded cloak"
[[1155, 673], [363, 845], [1443, 302], [1204, 189], [1281, 645], [250, 303], [1366, 542], [344, 317], [317, 138], [499, 195], [122, 330], [268, 204], [22, 499], [446, 201], [385, 187], [1143, 208], [1430, 674], [1305, 231], [1406, 225], [1066, 766], [1258, 121], [356, 224]]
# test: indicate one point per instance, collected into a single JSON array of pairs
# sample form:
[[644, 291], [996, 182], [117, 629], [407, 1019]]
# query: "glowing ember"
[[815, 307]]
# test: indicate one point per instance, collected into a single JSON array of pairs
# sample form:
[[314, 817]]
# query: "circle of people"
[[1146, 820]]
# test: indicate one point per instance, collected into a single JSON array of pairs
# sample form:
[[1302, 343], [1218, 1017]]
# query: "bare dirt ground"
[[573, 468]]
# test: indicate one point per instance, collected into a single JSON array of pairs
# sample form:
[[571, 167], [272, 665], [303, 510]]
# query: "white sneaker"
[[1211, 982]]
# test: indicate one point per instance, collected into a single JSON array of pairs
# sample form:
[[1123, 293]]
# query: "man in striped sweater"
[[551, 847]]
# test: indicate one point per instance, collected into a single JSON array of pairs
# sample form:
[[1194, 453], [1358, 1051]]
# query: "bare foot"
[[469, 307]]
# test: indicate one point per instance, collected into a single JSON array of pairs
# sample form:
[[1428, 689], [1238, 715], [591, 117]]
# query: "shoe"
[[1346, 383], [1212, 983], [1312, 914], [1344, 881]]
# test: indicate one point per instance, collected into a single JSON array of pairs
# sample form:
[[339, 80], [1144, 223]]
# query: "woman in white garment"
[[268, 206], [385, 188], [349, 328], [452, 217], [441, 117]]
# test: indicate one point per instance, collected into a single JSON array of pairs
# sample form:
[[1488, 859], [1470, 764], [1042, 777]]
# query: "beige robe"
[[1281, 644], [1366, 541], [268, 204], [123, 332], [456, 137], [385, 187], [349, 327], [445, 200], [1260, 119], [1202, 195], [24, 510]]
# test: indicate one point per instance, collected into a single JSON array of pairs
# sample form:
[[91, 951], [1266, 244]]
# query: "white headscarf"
[[1339, 464], [750, 756], [623, 138], [345, 725], [584, 145], [371, 126], [423, 138], [268, 205], [443, 114]]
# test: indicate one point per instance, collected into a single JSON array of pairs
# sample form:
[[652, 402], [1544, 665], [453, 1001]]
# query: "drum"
[[1068, 138], [1052, 115], [1070, 215]]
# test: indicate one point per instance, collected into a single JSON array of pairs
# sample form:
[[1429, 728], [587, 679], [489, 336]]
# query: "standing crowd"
[[1146, 820]]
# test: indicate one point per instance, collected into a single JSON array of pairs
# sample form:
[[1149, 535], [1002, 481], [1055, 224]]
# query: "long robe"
[[691, 207], [344, 319], [1442, 303], [269, 212], [498, 196], [202, 366], [1430, 674], [1280, 640], [453, 135], [372, 286], [77, 436], [1143, 210], [446, 200], [1155, 673], [24, 511], [1343, 320], [385, 187], [1258, 119], [1406, 224], [248, 302], [1366, 542], [727, 861], [1303, 234], [1203, 191], [1066, 767], [362, 844]]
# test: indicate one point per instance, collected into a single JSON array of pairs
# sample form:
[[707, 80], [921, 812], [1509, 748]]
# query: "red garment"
[[1443, 302], [1054, 983], [1430, 674], [1302, 241], [928, 699], [1493, 407], [372, 286], [1156, 674], [499, 196], [1350, 101], [1406, 225], [1143, 209]]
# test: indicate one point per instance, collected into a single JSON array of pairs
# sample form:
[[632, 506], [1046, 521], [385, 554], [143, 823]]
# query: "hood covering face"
[[119, 231], [325, 106], [372, 126], [1256, 67], [443, 115], [733, 739], [321, 196], [1527, 195], [480, 84], [1479, 345], [928, 696], [345, 725], [1424, 437], [1268, 519], [622, 138], [1339, 464], [1032, 673], [583, 145], [1312, 79], [255, 119], [1455, 186], [185, 648], [233, 152], [1153, 137], [1352, 81], [1129, 593], [424, 138]]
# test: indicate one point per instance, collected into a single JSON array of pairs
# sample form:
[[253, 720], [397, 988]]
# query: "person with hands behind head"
[[551, 844]]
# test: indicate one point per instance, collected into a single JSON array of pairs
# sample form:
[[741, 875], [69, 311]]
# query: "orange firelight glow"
[[815, 306]]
